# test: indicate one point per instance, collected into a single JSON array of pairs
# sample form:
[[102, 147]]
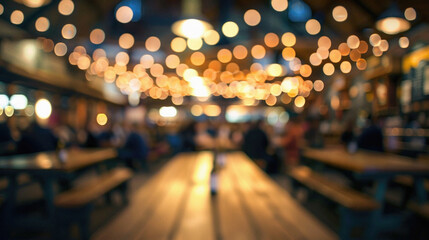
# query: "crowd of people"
[[274, 149]]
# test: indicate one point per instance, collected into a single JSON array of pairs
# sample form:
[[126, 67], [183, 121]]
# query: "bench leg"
[[346, 223], [84, 222], [66, 217], [123, 188]]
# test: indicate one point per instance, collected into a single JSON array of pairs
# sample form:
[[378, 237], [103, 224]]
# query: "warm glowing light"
[[147, 61], [279, 5], [288, 53], [271, 40], [377, 52], [375, 39], [122, 58], [355, 55], [152, 44], [17, 17], [312, 26], [324, 42], [9, 111], [102, 119], [315, 60], [323, 53], [196, 110], [172, 61], [345, 67], [274, 70], [83, 62], [4, 101], [43, 108], [212, 110], [258, 51], [224, 55], [124, 14], [230, 29], [318, 85], [178, 44], [156, 70], [410, 14], [384, 45], [299, 101], [66, 7], [211, 37], [328, 69], [68, 31], [339, 13], [335, 56], [335, 102], [363, 47], [42, 24], [392, 25], [195, 43], [97, 36], [353, 42], [126, 41], [1, 9], [252, 17], [168, 112], [305, 70], [198, 58], [404, 42], [240, 52], [271, 100], [288, 39], [361, 64], [191, 28], [33, 3], [18, 101], [344, 49]]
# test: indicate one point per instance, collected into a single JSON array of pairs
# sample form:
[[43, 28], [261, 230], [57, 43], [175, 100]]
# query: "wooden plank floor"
[[176, 204]]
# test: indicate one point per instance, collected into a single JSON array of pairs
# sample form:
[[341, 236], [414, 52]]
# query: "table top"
[[67, 160], [367, 161], [176, 204]]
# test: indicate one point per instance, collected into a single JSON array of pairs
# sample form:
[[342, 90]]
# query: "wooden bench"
[[353, 203], [75, 205]]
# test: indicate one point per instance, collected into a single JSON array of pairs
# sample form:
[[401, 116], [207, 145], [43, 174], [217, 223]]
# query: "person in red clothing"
[[292, 141]]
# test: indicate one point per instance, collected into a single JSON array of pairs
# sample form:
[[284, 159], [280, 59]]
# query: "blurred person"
[[135, 147], [36, 138], [187, 135], [255, 144], [371, 137], [292, 141], [348, 137], [313, 136], [204, 136], [7, 143]]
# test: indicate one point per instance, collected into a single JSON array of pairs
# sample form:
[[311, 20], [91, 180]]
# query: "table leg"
[[48, 191], [419, 186], [7, 216], [376, 215]]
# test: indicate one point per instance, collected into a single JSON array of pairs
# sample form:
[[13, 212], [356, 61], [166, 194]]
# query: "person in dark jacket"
[[135, 148], [255, 144], [371, 137]]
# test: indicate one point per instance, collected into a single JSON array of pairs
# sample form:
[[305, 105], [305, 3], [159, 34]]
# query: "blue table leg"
[[376, 215], [419, 186]]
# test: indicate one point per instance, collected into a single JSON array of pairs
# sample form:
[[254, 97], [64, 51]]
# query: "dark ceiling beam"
[[364, 7]]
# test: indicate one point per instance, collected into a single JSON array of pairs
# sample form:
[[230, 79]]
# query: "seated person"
[[135, 148]]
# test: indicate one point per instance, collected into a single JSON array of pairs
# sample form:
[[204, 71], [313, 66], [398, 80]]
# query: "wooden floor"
[[176, 204]]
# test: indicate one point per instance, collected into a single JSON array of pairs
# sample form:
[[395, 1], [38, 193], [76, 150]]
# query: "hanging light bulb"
[[392, 21], [192, 26]]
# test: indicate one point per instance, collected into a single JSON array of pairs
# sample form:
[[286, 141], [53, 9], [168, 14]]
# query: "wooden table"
[[48, 167], [176, 204], [378, 167]]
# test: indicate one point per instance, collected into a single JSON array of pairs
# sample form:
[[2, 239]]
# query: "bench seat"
[[340, 194]]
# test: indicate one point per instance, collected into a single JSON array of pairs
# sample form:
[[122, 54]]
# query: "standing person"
[[135, 148], [371, 137], [292, 141], [255, 143]]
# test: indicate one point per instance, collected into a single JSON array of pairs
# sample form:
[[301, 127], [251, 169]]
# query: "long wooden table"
[[177, 204], [380, 168], [48, 167]]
